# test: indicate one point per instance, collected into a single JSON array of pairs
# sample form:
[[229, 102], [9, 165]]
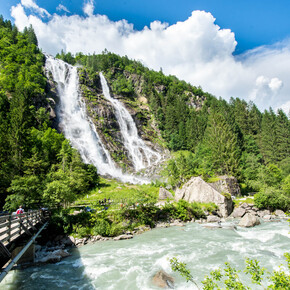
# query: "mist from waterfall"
[[76, 124], [141, 155]]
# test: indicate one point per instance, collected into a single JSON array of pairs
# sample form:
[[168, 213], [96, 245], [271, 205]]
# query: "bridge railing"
[[13, 226]]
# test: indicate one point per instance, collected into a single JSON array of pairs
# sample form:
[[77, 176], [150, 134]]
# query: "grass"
[[213, 179], [246, 199], [119, 192]]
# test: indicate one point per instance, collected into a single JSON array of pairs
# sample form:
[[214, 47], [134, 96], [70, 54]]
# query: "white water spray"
[[76, 125], [132, 142]]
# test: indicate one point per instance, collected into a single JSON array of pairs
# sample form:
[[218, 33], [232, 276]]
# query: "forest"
[[37, 164], [208, 136]]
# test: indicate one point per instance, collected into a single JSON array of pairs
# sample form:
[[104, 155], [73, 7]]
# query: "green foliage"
[[181, 168], [180, 267], [220, 148], [272, 198], [253, 268], [229, 276]]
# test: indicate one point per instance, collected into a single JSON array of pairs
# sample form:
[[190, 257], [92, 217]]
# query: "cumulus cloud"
[[196, 50]]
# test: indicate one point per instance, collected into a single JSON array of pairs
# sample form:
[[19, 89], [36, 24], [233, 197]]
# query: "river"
[[131, 264]]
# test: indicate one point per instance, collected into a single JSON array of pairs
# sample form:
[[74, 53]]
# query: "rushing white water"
[[131, 264], [133, 143], [75, 123]]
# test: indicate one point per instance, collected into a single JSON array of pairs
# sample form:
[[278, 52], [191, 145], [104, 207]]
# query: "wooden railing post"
[[9, 228]]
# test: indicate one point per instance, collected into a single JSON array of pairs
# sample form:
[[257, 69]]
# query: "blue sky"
[[238, 48], [254, 22]]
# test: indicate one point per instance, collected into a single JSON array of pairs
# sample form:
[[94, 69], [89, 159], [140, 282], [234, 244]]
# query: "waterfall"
[[141, 155], [75, 123]]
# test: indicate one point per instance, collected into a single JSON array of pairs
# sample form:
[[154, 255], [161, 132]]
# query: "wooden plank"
[[5, 232], [5, 224], [4, 217]]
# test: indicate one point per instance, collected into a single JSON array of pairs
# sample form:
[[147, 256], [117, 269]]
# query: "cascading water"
[[132, 142], [76, 125]]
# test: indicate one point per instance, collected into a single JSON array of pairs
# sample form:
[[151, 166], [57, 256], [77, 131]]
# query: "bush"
[[272, 199], [102, 228], [82, 232]]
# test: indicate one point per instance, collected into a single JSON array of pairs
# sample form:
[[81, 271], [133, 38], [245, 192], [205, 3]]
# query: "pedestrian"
[[20, 210]]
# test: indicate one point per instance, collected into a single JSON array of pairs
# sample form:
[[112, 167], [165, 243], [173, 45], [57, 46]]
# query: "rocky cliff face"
[[103, 116]]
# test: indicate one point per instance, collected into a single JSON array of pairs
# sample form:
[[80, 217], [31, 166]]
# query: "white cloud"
[[196, 50], [32, 5], [89, 8], [61, 7]]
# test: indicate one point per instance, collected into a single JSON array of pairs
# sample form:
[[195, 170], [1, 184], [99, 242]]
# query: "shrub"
[[272, 198], [102, 228]]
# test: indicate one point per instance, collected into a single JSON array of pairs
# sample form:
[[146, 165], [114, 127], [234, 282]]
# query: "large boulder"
[[163, 280], [196, 189], [213, 219], [227, 184], [249, 220], [164, 194], [238, 212]]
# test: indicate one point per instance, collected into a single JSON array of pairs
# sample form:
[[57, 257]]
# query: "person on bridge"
[[20, 210]]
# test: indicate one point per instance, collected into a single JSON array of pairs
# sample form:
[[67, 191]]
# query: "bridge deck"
[[14, 226]]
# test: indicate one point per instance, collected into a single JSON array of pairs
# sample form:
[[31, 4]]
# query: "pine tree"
[[282, 136], [268, 139], [222, 143]]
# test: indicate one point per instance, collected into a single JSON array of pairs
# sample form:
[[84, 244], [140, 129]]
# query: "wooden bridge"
[[16, 228]]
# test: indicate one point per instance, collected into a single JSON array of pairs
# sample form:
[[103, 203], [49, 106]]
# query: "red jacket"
[[19, 211]]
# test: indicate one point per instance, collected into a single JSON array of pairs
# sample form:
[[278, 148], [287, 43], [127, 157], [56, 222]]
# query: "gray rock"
[[176, 223], [55, 256], [163, 280], [72, 239], [280, 213], [212, 226], [244, 205], [67, 241], [249, 220], [268, 217], [262, 213], [123, 237], [162, 225], [238, 212], [164, 194], [228, 184], [213, 219], [198, 190], [253, 212]]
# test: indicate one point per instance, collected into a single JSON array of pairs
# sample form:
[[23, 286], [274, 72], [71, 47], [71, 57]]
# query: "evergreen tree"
[[282, 136], [268, 139], [222, 143]]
